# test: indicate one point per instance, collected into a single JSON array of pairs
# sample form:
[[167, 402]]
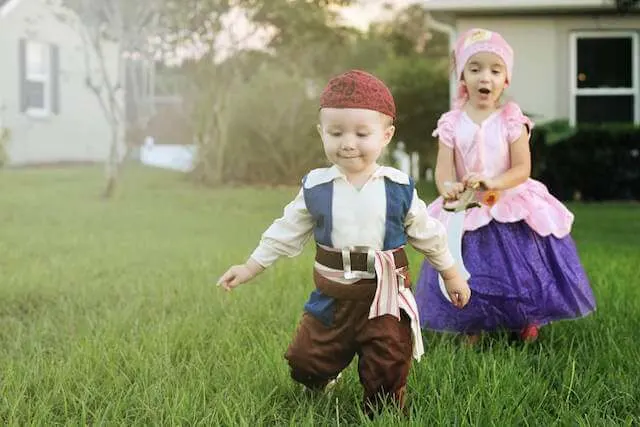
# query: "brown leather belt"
[[333, 259], [363, 290]]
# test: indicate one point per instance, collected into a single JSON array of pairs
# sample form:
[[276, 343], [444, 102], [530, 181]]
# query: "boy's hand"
[[239, 274], [458, 291], [457, 287], [452, 190]]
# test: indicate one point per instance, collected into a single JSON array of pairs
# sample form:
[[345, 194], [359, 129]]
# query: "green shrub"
[[594, 162]]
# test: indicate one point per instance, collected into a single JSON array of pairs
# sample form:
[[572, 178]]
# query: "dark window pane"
[[604, 109], [35, 94], [604, 62]]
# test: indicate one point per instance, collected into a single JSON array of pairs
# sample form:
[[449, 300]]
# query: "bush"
[[275, 140], [420, 89], [592, 162]]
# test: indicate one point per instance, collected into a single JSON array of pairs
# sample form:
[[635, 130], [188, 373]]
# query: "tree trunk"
[[112, 166], [220, 143]]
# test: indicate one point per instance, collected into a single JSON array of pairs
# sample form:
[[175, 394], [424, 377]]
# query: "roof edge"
[[8, 7], [462, 6]]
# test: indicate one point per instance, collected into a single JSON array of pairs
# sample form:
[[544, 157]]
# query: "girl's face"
[[485, 77], [354, 138]]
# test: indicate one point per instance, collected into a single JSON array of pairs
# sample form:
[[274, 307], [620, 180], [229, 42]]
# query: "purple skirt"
[[518, 278]]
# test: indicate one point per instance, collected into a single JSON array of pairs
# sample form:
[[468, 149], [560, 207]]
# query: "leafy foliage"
[[273, 128], [420, 88], [253, 114]]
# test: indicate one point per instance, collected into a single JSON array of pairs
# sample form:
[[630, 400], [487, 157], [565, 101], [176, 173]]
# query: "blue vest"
[[319, 201]]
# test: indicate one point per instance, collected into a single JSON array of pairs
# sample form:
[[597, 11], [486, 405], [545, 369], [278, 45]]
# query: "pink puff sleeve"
[[514, 119], [445, 130]]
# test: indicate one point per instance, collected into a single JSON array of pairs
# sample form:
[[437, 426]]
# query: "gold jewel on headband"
[[479, 35]]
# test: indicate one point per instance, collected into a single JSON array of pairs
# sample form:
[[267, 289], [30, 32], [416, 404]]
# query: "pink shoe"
[[529, 333]]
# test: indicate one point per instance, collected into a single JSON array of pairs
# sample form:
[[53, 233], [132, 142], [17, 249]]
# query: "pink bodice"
[[484, 149]]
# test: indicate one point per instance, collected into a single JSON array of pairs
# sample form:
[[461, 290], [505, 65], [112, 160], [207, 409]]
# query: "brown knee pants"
[[383, 344]]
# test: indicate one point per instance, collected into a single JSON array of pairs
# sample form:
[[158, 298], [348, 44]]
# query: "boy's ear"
[[388, 134], [319, 129]]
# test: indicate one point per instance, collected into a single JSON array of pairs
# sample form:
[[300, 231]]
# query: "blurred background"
[[145, 145], [226, 91]]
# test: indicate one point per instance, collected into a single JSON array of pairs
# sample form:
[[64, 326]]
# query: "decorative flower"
[[490, 198]]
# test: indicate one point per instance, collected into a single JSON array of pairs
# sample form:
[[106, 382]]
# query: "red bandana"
[[358, 89]]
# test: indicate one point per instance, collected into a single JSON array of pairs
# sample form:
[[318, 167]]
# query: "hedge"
[[591, 162]]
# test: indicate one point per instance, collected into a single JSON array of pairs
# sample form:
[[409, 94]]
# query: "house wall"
[[80, 131], [542, 55]]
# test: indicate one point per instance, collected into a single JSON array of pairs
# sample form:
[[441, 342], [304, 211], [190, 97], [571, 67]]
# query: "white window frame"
[[43, 77], [573, 72]]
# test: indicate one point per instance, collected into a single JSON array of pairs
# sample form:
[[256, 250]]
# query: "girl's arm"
[[518, 173], [520, 164], [445, 172]]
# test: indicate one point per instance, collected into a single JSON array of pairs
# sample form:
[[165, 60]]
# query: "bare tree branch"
[[108, 29]]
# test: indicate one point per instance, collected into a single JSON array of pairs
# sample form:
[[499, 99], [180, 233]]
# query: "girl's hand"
[[452, 190], [478, 181]]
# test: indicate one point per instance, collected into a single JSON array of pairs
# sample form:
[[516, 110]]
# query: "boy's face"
[[354, 138], [485, 76]]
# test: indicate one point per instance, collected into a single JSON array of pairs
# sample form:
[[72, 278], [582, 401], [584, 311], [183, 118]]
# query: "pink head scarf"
[[478, 40]]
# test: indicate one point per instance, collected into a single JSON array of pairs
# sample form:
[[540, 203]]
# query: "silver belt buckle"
[[346, 260], [371, 261], [346, 264]]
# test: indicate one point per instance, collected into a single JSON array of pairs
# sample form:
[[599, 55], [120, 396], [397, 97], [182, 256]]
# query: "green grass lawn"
[[109, 314]]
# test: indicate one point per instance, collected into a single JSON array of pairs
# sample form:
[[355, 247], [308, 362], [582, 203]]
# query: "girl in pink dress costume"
[[524, 266]]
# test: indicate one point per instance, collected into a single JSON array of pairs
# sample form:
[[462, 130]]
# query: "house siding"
[[541, 72], [79, 132]]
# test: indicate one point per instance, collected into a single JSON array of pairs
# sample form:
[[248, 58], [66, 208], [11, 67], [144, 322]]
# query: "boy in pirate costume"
[[361, 215]]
